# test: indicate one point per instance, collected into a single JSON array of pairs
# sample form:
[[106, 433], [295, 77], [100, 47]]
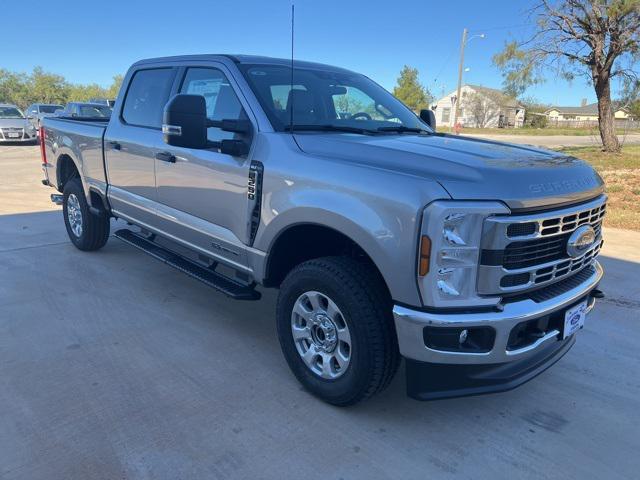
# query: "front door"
[[202, 196]]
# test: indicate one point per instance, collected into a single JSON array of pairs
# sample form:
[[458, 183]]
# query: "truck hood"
[[522, 176], [13, 123]]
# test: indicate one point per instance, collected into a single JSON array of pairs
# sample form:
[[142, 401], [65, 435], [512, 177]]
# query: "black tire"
[[358, 291], [95, 228]]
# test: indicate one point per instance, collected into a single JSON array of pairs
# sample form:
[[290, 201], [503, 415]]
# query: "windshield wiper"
[[403, 129], [328, 128]]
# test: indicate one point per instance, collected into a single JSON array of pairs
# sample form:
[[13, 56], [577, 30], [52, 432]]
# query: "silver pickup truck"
[[474, 260]]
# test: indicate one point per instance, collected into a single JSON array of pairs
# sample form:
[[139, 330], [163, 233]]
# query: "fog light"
[[457, 339]]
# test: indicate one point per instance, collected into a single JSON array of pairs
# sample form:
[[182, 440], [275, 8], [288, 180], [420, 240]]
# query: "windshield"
[[10, 112], [328, 100], [49, 108], [94, 111]]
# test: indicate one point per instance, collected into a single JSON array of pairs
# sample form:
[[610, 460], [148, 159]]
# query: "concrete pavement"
[[113, 365]]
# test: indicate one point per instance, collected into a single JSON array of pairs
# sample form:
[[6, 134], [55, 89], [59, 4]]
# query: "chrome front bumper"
[[23, 137], [410, 324]]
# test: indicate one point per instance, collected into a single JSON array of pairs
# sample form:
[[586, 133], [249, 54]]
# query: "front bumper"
[[435, 373], [23, 137]]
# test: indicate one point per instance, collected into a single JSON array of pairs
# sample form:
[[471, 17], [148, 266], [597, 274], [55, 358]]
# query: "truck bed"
[[79, 140]]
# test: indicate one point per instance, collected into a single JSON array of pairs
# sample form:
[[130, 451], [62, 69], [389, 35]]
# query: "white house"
[[480, 107], [585, 112]]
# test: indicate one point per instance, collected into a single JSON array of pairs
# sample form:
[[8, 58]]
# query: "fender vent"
[[254, 194]]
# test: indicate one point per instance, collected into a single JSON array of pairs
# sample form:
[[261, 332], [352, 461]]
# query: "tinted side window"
[[146, 97], [222, 102]]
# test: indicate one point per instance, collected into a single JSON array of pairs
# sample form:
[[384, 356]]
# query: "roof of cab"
[[241, 59]]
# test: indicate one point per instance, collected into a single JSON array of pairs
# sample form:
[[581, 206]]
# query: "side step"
[[205, 275]]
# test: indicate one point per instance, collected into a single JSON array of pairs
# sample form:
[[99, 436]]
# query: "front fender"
[[387, 233]]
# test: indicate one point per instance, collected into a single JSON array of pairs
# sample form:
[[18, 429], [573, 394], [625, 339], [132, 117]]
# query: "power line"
[[445, 64]]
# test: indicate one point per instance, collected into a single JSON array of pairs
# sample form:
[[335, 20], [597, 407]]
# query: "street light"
[[465, 40]]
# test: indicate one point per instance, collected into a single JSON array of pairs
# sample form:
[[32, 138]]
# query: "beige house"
[[587, 112], [480, 107]]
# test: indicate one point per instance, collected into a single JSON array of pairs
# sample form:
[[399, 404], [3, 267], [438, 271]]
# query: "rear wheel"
[[86, 230], [336, 329]]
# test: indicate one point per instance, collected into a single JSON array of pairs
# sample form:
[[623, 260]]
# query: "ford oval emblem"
[[580, 241]]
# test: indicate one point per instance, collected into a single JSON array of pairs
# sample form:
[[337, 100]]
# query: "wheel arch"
[[66, 168], [304, 241]]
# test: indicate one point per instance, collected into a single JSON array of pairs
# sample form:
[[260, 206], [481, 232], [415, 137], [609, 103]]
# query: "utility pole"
[[460, 69]]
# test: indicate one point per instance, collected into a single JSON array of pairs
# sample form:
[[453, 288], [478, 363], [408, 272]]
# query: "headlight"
[[449, 252]]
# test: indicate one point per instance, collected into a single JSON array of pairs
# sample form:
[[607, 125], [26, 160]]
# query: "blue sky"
[[88, 41]]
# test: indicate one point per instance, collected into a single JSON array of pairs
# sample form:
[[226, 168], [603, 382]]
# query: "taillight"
[[43, 152]]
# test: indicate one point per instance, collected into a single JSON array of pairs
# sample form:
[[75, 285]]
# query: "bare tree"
[[595, 38], [483, 108]]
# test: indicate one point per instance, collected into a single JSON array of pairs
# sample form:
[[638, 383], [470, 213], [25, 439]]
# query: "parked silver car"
[[14, 127], [37, 111]]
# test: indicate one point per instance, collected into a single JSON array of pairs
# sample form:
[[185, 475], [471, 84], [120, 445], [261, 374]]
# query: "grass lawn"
[[582, 132], [621, 174]]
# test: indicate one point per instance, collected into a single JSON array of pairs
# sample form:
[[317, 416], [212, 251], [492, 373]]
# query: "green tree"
[[630, 96], [112, 91], [47, 87], [410, 91], [598, 39], [83, 93], [534, 115], [14, 88]]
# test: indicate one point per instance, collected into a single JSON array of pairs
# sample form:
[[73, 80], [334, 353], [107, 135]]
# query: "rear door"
[[131, 141], [202, 197]]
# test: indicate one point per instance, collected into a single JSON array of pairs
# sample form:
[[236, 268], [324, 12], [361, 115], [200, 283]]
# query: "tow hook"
[[57, 198], [595, 293]]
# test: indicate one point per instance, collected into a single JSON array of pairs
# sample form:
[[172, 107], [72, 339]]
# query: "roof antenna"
[[291, 94]]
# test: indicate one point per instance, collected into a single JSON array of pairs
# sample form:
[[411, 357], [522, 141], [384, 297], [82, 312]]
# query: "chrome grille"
[[539, 255], [7, 130], [532, 252], [554, 225]]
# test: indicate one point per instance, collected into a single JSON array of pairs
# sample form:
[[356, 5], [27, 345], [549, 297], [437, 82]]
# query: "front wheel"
[[336, 329], [86, 231]]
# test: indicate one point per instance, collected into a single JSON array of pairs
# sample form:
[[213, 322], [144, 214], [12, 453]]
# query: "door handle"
[[115, 145], [166, 157]]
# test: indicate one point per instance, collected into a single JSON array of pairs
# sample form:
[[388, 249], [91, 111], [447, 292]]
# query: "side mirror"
[[235, 126], [184, 121], [428, 117], [235, 148]]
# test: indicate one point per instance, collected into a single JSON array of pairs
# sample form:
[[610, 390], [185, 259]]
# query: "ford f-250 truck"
[[474, 260]]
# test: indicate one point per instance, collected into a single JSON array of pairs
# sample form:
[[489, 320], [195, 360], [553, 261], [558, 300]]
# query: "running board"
[[206, 275]]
